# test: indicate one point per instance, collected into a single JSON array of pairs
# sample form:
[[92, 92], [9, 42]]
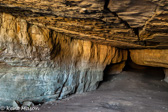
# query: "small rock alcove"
[[141, 74]]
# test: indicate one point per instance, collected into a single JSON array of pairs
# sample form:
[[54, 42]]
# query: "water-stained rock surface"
[[132, 90], [50, 49], [39, 64]]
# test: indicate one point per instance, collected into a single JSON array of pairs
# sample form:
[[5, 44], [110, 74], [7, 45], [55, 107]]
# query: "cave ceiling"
[[119, 23]]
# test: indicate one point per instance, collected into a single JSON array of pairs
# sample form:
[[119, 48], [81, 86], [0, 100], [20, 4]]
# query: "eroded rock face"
[[67, 8], [150, 57], [41, 60], [155, 30], [147, 17], [38, 64], [135, 12], [114, 68], [82, 19], [120, 23]]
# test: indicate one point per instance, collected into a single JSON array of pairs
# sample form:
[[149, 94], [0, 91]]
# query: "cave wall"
[[151, 57], [50, 49], [39, 64]]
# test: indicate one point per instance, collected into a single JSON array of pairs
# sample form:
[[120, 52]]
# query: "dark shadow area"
[[107, 77], [145, 74], [135, 89], [149, 73]]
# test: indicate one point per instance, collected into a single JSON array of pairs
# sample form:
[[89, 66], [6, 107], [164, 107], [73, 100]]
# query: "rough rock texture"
[[94, 25], [130, 91], [156, 29], [151, 57], [123, 23], [147, 17], [135, 12], [41, 60], [67, 8], [114, 68], [38, 64]]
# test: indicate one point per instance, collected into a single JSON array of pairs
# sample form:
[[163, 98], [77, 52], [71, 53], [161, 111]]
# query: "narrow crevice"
[[56, 45], [107, 10], [135, 30], [106, 4], [29, 35], [60, 93]]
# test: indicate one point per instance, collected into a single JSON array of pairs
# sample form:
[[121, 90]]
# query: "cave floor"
[[130, 91]]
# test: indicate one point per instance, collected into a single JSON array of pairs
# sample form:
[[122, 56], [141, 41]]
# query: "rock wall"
[[150, 57], [38, 64], [50, 49]]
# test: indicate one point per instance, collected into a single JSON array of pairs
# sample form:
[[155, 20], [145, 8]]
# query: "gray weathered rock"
[[38, 64], [50, 49], [27, 104]]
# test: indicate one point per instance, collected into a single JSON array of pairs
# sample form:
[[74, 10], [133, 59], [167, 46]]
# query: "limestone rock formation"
[[38, 64]]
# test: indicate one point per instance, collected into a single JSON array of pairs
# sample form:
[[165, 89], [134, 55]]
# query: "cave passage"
[[132, 90], [146, 73]]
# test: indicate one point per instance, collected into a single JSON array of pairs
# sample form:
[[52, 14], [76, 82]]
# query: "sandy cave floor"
[[130, 91]]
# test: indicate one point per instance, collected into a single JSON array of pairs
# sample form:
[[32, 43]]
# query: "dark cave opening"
[[147, 73]]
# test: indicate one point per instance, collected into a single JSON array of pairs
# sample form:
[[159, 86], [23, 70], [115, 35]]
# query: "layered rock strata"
[[50, 49], [39, 64], [147, 17], [101, 27], [124, 24], [149, 57]]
